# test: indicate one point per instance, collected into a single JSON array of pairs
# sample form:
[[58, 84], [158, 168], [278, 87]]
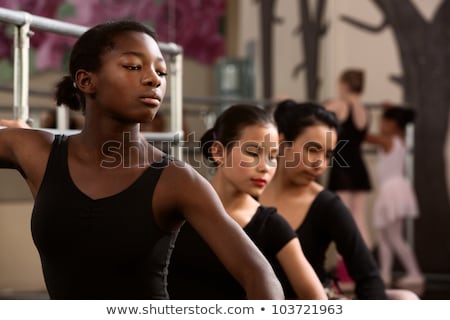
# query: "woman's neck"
[[282, 185], [97, 132], [400, 133], [113, 142], [239, 205], [291, 200], [353, 98]]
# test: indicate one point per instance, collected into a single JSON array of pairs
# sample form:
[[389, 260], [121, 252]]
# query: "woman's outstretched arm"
[[14, 124], [360, 263], [25, 150], [8, 139], [301, 275], [379, 140], [195, 198]]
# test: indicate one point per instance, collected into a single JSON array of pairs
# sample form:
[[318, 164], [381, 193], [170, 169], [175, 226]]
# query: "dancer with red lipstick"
[[243, 147]]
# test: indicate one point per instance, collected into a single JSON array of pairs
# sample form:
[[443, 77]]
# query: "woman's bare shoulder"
[[183, 190], [32, 138], [335, 104], [182, 174], [26, 150], [338, 106], [19, 139]]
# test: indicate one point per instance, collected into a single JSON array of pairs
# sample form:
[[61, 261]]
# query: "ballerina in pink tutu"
[[396, 199]]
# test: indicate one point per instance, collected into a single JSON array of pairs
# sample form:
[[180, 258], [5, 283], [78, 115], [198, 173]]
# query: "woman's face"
[[131, 83], [250, 163], [306, 159], [388, 127]]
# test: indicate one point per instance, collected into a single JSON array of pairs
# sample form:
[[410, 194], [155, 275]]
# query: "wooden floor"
[[435, 292]]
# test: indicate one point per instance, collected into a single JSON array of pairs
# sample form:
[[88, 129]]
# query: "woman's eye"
[[161, 73], [133, 68], [273, 156]]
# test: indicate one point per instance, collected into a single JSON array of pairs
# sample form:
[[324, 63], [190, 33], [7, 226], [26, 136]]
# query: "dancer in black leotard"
[[90, 247], [348, 175], [243, 145], [308, 135], [349, 172], [108, 204]]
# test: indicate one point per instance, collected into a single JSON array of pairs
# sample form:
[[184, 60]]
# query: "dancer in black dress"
[[349, 177]]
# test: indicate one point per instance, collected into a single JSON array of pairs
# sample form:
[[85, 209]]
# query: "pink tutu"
[[396, 200]]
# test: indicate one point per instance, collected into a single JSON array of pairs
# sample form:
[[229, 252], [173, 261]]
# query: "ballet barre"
[[24, 23]]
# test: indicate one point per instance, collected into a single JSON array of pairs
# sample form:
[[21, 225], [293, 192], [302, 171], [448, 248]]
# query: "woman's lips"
[[310, 176], [259, 182], [151, 101]]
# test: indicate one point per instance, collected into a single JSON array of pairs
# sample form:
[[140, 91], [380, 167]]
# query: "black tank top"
[[349, 171], [109, 248], [353, 135]]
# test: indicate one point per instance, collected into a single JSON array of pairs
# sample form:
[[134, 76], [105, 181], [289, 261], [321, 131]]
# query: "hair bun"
[[410, 115], [67, 94], [402, 115]]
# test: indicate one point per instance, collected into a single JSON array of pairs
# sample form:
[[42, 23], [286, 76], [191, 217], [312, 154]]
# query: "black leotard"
[[327, 221], [196, 273], [348, 171], [110, 248]]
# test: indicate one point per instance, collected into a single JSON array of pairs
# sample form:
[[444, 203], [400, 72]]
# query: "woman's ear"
[[283, 144], [218, 153], [85, 81]]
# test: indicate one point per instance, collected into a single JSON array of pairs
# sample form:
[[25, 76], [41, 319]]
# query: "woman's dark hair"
[[86, 54], [401, 115], [354, 79], [293, 118], [228, 126]]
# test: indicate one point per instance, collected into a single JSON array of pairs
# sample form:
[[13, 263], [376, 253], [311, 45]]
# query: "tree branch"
[[304, 8], [277, 20], [298, 68], [324, 28], [399, 80], [362, 25], [443, 12], [394, 9], [298, 30], [320, 10]]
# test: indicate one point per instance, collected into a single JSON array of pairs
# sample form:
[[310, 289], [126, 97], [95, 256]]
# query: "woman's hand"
[[14, 124]]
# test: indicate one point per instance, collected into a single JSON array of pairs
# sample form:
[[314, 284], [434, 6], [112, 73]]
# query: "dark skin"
[[384, 139], [128, 90]]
